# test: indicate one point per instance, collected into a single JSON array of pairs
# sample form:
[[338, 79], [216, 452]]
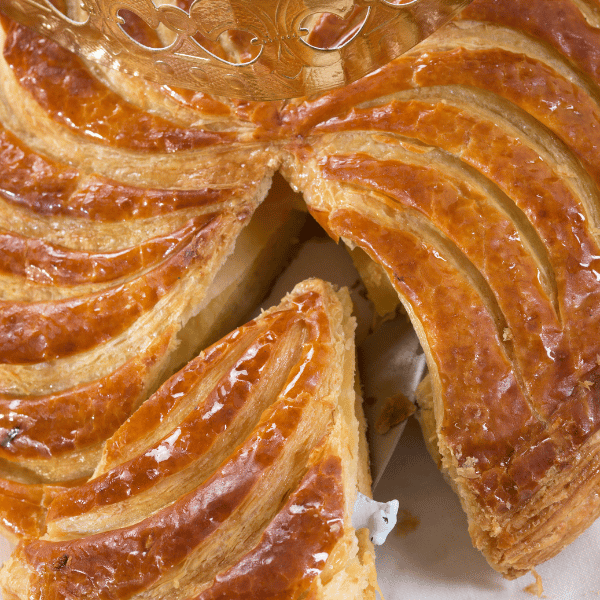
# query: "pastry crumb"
[[536, 588], [507, 334], [396, 409], [586, 384], [468, 468], [407, 523]]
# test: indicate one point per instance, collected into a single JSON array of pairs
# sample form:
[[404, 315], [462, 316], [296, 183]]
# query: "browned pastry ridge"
[[468, 169], [236, 479]]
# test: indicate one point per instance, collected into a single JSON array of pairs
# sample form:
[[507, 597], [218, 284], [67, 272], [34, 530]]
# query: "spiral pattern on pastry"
[[468, 169]]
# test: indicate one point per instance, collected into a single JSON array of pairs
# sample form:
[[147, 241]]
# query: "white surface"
[[390, 361], [438, 562]]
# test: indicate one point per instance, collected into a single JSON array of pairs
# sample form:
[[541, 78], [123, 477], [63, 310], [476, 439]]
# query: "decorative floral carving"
[[283, 64]]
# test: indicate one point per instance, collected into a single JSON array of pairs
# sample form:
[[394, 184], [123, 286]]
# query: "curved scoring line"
[[515, 123], [483, 185], [191, 444], [416, 223]]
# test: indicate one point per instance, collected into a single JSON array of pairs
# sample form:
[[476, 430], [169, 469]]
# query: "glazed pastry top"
[[468, 169], [237, 477]]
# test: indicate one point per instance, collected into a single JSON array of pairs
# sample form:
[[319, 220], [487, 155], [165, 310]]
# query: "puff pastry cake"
[[236, 479], [467, 170]]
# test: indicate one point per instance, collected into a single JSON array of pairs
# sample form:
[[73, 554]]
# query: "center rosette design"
[[272, 59]]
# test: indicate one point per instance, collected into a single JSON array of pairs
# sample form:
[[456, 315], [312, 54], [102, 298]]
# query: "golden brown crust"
[[47, 187], [199, 431], [450, 311], [479, 92], [48, 331], [98, 113], [110, 241], [560, 23], [468, 169], [48, 426], [49, 264], [314, 514], [289, 474], [23, 507]]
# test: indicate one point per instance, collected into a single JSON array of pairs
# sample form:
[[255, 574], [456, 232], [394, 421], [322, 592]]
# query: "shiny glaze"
[[194, 436], [558, 216], [559, 23], [549, 204], [49, 264], [486, 418], [23, 506], [88, 107], [198, 100], [101, 565], [49, 188], [166, 401], [41, 331], [103, 200], [168, 398], [557, 446], [566, 109], [48, 426], [30, 180], [295, 546], [491, 242], [512, 450]]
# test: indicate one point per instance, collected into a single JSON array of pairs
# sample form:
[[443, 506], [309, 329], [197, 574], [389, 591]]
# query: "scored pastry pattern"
[[468, 169], [98, 275], [235, 479]]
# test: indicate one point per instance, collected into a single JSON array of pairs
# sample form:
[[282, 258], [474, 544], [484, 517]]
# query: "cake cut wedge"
[[236, 479]]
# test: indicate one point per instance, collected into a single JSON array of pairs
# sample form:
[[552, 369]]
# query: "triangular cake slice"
[[236, 479]]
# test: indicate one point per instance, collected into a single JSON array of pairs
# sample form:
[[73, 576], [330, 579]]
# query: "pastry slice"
[[236, 479], [54, 439]]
